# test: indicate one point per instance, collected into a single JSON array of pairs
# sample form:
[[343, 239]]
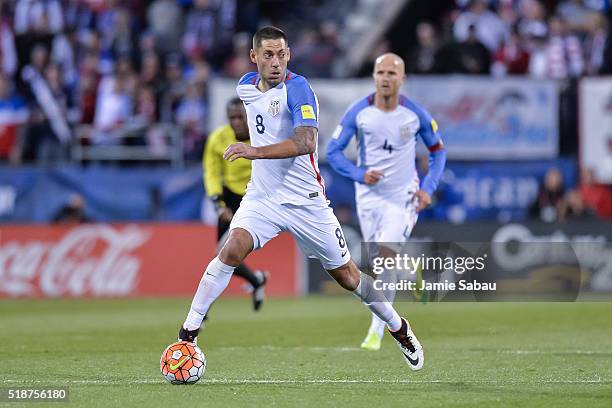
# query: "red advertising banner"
[[101, 260]]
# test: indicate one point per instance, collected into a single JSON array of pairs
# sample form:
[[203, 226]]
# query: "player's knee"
[[347, 276], [232, 253], [238, 245]]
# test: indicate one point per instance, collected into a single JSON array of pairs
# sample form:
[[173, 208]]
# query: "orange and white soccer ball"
[[182, 363]]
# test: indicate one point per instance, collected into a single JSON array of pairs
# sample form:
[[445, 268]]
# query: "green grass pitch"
[[304, 352]]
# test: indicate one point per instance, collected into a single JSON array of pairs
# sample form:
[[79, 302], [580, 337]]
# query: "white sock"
[[377, 325], [377, 303], [213, 283]]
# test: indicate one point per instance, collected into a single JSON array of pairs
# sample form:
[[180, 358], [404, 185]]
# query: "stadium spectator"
[[145, 121], [489, 28], [197, 70], [549, 202], [54, 76], [576, 13], [33, 46], [423, 56], [114, 105], [13, 116], [564, 51], [147, 45], [122, 40], [151, 76], [87, 87], [191, 114], [606, 65], [8, 52], [209, 30], [512, 58], [49, 133], [447, 59], [573, 207], [239, 63], [30, 13], [106, 22], [532, 18], [595, 195], [174, 88], [303, 52], [315, 50], [63, 55], [473, 56], [328, 49], [79, 16], [508, 14], [165, 20], [598, 53], [73, 212], [538, 46]]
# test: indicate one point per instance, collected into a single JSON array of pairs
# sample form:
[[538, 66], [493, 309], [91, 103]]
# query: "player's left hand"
[[423, 200], [238, 150]]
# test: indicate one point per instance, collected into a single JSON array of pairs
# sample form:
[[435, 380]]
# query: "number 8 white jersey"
[[272, 116]]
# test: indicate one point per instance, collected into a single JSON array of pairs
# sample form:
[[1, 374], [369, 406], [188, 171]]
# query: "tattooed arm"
[[303, 141]]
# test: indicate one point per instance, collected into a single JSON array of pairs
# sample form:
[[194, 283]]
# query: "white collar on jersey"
[[249, 92]]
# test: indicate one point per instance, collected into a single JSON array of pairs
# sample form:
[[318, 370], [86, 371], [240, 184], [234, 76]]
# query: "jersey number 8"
[[340, 237], [260, 126]]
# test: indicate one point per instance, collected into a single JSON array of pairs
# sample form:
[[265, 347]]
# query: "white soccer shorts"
[[387, 221], [315, 228]]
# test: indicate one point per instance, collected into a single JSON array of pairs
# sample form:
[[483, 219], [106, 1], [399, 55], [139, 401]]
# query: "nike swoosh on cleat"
[[413, 362], [180, 363]]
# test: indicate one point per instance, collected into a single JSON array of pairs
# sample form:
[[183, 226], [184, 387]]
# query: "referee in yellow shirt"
[[226, 182]]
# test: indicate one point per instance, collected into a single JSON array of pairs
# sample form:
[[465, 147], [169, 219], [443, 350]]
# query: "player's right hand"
[[372, 177], [238, 150], [225, 214]]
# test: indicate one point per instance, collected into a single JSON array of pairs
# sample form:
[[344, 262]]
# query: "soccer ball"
[[182, 363]]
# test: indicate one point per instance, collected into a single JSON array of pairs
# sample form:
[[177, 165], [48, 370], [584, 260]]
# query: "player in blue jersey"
[[387, 190], [287, 192]]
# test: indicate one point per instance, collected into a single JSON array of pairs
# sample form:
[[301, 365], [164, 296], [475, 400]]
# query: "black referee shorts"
[[232, 201]]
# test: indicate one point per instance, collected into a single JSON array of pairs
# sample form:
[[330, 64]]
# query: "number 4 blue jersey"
[[386, 142], [272, 116]]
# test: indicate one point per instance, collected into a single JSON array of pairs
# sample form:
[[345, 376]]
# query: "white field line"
[[289, 348], [584, 352], [222, 381], [357, 349]]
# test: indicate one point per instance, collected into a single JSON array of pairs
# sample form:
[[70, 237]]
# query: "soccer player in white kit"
[[387, 190], [286, 192]]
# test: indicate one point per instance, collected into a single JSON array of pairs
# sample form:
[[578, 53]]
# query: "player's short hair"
[[268, 33], [233, 102]]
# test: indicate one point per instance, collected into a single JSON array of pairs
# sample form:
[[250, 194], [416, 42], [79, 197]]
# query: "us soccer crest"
[[274, 107], [405, 132]]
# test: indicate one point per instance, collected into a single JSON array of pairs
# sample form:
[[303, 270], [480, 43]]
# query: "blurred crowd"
[[558, 203], [135, 72], [541, 38], [110, 72], [103, 72]]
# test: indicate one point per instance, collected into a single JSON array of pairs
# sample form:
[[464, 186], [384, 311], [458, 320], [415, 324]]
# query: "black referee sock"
[[245, 273]]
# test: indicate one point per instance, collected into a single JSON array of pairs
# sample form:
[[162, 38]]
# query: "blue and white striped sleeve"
[[340, 140], [302, 102], [428, 131]]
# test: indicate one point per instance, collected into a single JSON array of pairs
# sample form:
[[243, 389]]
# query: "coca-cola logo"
[[89, 260]]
